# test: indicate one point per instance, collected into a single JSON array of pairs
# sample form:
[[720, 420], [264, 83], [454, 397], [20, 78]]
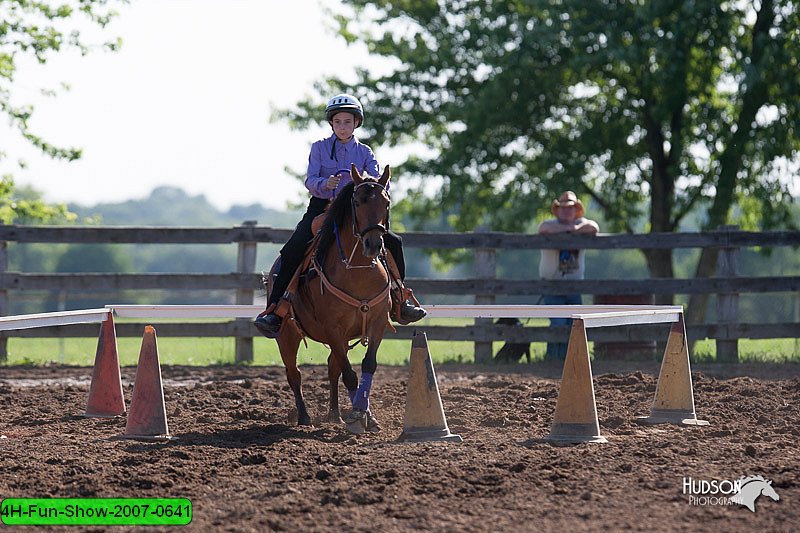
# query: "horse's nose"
[[373, 243]]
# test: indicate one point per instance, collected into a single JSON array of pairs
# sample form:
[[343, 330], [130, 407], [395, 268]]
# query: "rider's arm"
[[315, 183]]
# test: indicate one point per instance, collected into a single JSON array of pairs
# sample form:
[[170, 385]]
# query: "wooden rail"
[[244, 282]]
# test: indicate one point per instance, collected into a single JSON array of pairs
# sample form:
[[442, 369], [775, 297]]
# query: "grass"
[[220, 351], [753, 351], [213, 351]]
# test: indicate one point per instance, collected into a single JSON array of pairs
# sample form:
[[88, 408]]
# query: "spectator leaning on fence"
[[565, 263]]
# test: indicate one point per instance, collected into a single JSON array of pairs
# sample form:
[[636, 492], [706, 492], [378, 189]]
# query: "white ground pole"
[[592, 315], [185, 311], [601, 315], [59, 318]]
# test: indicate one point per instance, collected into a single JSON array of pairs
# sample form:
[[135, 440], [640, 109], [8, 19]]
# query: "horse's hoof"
[[356, 422], [334, 418], [372, 424]]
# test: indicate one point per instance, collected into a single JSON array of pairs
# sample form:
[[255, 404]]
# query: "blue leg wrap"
[[361, 401]]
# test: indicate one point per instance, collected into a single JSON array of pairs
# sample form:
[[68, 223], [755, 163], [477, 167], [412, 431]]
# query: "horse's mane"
[[745, 480], [335, 213]]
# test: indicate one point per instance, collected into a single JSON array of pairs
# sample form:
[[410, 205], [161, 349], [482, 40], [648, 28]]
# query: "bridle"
[[359, 235], [363, 306]]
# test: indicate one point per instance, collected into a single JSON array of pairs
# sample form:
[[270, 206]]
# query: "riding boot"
[[269, 325], [410, 313], [291, 257]]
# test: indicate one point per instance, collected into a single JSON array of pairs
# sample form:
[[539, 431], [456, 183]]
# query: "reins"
[[359, 235]]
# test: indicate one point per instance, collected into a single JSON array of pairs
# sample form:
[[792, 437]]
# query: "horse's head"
[[767, 490], [370, 210]]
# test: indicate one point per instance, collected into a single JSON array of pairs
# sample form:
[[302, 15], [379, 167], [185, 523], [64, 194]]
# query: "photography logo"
[[743, 491]]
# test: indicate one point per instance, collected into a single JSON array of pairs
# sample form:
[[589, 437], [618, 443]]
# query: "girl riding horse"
[[325, 180], [344, 296]]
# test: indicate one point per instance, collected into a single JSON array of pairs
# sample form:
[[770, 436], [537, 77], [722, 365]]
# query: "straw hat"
[[568, 198]]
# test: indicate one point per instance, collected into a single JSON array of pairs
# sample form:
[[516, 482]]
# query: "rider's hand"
[[333, 182]]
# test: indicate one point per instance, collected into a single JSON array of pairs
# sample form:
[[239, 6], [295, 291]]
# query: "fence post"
[[728, 302], [797, 320], [485, 268], [3, 301], [245, 264]]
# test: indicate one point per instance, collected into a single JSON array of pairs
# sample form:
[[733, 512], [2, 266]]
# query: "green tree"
[[25, 206], [651, 109], [42, 29]]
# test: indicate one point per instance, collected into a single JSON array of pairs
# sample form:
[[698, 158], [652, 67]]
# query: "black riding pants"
[[294, 250]]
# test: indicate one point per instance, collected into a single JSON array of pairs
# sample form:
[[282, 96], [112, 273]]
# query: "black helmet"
[[345, 102]]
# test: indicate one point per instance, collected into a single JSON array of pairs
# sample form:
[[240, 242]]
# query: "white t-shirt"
[[562, 264]]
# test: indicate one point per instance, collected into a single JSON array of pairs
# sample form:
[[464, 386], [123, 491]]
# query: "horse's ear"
[[355, 175], [387, 175]]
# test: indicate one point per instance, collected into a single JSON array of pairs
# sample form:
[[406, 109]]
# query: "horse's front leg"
[[350, 379], [288, 343], [334, 371], [339, 365], [361, 419]]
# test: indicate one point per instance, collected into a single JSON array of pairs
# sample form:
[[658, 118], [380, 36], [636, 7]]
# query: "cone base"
[[148, 438], [575, 433], [102, 415], [670, 416], [428, 435]]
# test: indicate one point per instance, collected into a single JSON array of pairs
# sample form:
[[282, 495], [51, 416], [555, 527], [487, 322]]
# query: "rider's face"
[[343, 125]]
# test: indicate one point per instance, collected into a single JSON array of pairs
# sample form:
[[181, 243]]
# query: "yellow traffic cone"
[[674, 399], [147, 419], [424, 419], [106, 399], [575, 419]]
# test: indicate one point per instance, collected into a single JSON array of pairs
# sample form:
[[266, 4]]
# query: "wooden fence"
[[244, 282]]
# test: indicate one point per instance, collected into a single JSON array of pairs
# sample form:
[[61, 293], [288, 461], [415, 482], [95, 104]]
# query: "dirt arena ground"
[[246, 467]]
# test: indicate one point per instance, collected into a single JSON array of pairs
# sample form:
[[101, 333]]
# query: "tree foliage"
[[651, 109], [25, 206], [39, 29], [42, 29]]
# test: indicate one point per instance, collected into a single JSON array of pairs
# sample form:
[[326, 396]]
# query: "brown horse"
[[345, 297]]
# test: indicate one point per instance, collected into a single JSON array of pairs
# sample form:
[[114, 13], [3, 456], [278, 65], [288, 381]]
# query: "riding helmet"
[[345, 102]]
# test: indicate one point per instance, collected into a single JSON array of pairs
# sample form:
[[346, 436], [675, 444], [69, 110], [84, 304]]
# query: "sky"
[[185, 102]]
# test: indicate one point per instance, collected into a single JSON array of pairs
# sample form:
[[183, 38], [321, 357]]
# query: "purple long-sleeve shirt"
[[321, 164]]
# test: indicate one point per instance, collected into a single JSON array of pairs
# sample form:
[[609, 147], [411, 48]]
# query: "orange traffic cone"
[[674, 399], [106, 399], [147, 419], [575, 419], [424, 419]]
